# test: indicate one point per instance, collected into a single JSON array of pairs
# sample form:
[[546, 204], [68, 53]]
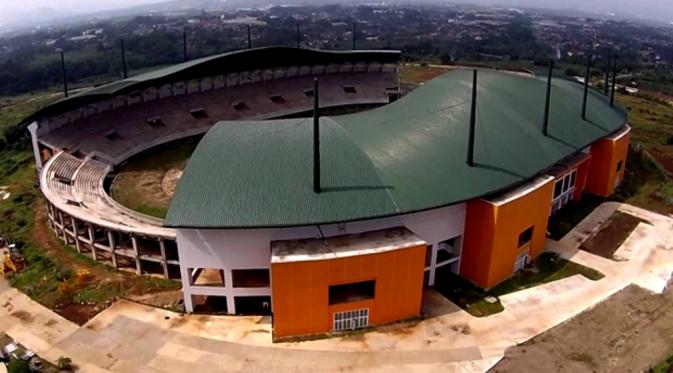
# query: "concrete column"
[[164, 263], [111, 242], [186, 289], [433, 265], [89, 229], [60, 220], [229, 284], [134, 242], [32, 128], [76, 232]]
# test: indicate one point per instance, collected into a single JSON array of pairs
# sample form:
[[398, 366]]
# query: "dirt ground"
[[43, 237], [611, 235], [629, 332], [130, 285], [664, 159]]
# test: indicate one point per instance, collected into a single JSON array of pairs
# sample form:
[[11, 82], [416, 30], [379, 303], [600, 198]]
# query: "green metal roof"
[[224, 63], [403, 157]]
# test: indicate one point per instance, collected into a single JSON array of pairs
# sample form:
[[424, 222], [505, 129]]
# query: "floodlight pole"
[[124, 72], [473, 121], [545, 126], [354, 33], [586, 88], [298, 36], [65, 75], [316, 136], [249, 38], [607, 73], [184, 44], [614, 82]]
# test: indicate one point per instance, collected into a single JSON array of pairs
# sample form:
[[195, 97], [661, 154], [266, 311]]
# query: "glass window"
[[566, 183], [558, 188], [525, 236], [572, 178], [428, 255]]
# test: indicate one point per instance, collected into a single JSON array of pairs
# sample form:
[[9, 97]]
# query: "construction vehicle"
[[12, 260]]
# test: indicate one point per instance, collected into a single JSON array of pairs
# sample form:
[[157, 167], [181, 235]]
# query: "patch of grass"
[[466, 295], [417, 74], [546, 268], [100, 294], [665, 366], [645, 184]]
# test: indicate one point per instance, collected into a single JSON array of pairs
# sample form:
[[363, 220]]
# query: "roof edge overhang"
[[541, 173], [219, 64]]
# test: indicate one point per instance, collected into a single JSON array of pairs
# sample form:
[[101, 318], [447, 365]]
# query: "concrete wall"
[[248, 249]]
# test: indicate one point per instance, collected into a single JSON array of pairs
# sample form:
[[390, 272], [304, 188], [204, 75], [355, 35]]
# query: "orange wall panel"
[[513, 218], [606, 153], [492, 232], [301, 290], [478, 240]]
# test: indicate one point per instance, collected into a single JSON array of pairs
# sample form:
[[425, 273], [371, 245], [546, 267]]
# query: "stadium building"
[[333, 222]]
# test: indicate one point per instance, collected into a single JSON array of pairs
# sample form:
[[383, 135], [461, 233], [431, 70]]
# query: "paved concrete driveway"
[[129, 337]]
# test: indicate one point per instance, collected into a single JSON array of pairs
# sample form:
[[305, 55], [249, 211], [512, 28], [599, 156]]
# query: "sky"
[[76, 6], [661, 10]]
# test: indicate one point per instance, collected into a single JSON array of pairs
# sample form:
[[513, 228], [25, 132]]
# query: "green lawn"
[[546, 268]]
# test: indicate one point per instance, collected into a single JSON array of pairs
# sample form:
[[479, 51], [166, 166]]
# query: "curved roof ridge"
[[355, 142], [405, 157]]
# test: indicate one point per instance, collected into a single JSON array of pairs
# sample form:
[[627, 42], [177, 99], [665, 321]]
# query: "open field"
[[146, 182], [628, 332]]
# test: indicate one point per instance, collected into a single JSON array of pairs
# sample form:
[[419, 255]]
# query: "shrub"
[[18, 366], [64, 363]]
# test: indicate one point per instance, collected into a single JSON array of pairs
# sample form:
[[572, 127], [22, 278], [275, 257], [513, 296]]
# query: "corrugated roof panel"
[[404, 157]]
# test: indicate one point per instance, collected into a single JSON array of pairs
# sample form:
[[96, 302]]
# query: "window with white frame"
[[351, 320], [564, 187]]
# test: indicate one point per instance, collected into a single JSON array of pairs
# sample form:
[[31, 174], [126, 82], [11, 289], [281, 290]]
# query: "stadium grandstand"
[[328, 222]]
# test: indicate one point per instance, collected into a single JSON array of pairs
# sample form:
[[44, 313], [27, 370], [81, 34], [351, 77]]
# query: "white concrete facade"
[[228, 250]]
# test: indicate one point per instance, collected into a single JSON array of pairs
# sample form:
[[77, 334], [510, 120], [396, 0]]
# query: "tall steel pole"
[[124, 72], [65, 75], [545, 125], [586, 88]]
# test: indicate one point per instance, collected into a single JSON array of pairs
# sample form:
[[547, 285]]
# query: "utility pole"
[[65, 75], [184, 44], [298, 36], [249, 38], [545, 123], [354, 32], [124, 72], [586, 88], [473, 122], [607, 73]]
